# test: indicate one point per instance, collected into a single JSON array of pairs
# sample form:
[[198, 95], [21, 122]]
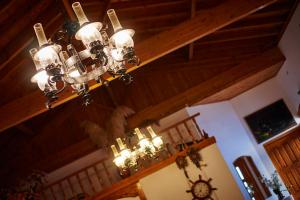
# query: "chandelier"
[[127, 158], [59, 64]]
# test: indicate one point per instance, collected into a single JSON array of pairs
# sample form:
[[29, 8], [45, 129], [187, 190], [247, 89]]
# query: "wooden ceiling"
[[191, 50]]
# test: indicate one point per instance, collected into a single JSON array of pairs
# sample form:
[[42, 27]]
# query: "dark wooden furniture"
[[285, 155], [251, 178]]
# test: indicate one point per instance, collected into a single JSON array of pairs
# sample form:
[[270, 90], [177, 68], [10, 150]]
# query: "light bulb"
[[126, 153], [117, 54], [46, 56], [157, 142], [119, 161], [123, 39], [41, 78], [89, 33], [145, 145], [74, 73]]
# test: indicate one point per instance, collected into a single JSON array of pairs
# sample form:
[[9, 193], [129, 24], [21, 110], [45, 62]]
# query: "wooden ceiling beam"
[[193, 13], [207, 22], [21, 24], [269, 61]]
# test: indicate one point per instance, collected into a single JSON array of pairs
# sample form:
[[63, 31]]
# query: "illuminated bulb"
[[126, 153], [145, 145], [157, 142], [75, 73], [41, 78], [123, 39], [46, 55], [119, 161], [89, 33], [117, 54]]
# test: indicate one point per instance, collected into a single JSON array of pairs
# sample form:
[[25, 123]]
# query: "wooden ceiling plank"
[[19, 45], [208, 21], [270, 59], [193, 13], [20, 25]]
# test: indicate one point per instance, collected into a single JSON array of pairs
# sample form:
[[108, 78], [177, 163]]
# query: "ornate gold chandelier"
[[59, 64]]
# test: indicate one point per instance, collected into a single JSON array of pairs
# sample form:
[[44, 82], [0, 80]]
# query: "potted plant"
[[27, 189], [274, 184]]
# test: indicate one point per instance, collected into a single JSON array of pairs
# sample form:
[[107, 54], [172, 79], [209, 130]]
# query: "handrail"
[[147, 171], [180, 122], [94, 184]]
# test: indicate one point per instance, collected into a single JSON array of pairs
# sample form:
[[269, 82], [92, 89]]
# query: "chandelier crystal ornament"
[[61, 65], [147, 148]]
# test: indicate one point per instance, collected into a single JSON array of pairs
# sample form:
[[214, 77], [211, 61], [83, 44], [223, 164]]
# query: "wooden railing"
[[97, 178]]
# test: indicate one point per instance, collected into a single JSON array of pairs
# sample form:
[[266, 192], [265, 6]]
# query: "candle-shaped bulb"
[[114, 20], [151, 131], [139, 133], [40, 34], [120, 143], [79, 13], [114, 150]]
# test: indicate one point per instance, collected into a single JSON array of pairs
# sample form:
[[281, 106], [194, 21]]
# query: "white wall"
[[289, 75], [171, 184], [221, 121], [254, 100]]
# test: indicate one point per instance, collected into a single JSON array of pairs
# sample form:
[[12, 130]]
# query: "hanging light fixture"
[[58, 66], [147, 148]]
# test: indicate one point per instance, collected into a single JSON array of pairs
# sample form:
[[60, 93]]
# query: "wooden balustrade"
[[97, 178]]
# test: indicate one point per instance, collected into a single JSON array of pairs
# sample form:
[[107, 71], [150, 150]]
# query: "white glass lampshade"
[[119, 161], [157, 142], [146, 146], [74, 73], [126, 153], [123, 38], [117, 54], [89, 33], [41, 78], [47, 55]]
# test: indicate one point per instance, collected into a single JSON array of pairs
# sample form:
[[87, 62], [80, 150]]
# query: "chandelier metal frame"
[[59, 64]]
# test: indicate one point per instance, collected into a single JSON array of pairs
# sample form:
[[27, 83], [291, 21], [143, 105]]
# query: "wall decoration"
[[270, 121], [201, 189]]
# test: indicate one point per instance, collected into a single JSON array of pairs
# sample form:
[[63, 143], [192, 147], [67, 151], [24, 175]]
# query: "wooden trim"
[[156, 167], [180, 122]]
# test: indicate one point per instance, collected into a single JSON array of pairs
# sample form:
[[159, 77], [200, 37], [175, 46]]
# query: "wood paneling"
[[58, 130], [265, 63], [285, 155]]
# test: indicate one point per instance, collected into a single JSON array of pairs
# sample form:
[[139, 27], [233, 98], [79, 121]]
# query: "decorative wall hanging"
[[200, 189], [270, 121]]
